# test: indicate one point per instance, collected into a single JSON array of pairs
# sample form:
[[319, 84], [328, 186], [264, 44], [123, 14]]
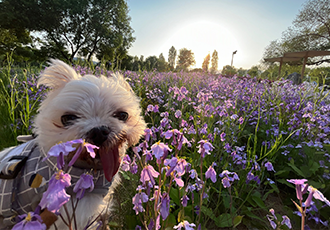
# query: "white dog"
[[103, 111]]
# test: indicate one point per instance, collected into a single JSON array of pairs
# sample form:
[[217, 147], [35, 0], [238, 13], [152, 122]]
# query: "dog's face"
[[103, 111]]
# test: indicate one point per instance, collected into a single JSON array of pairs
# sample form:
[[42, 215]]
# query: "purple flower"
[[178, 181], [211, 173], [271, 221], [177, 166], [226, 178], [286, 221], [147, 134], [60, 150], [225, 182], [316, 194], [299, 183], [148, 174], [159, 149], [55, 196], [250, 176], [126, 163], [269, 166], [178, 114], [222, 136], [137, 201], [89, 147], [184, 200], [156, 109], [185, 225], [85, 181], [241, 120], [193, 174], [150, 108], [164, 205], [204, 147], [30, 221]]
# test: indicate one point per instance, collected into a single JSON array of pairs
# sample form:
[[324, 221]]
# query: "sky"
[[203, 26]]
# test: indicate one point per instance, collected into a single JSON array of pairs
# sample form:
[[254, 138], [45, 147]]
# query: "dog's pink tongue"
[[110, 162]]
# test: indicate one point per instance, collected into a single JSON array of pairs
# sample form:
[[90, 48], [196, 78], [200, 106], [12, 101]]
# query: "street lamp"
[[232, 57]]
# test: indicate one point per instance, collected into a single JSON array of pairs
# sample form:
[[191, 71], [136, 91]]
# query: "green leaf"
[[171, 221], [224, 220], [282, 173], [313, 167], [174, 194], [237, 220], [298, 171], [274, 187], [327, 147], [131, 221], [226, 200], [208, 212], [247, 211], [257, 198]]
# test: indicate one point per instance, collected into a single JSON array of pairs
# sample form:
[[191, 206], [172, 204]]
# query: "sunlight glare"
[[201, 38]]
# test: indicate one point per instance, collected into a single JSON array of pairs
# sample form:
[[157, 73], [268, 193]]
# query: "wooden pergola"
[[297, 57]]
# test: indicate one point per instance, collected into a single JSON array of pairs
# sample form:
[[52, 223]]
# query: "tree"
[[241, 72], [214, 62], [161, 63], [85, 27], [171, 57], [228, 70], [206, 63], [186, 59], [254, 71], [310, 31], [151, 63]]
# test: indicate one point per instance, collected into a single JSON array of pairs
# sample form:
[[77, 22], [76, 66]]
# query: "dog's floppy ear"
[[57, 75]]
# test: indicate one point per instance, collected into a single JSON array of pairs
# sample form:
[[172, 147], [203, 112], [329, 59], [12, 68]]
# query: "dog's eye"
[[123, 116], [68, 119]]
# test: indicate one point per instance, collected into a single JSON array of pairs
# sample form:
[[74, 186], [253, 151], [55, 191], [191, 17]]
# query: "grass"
[[249, 122]]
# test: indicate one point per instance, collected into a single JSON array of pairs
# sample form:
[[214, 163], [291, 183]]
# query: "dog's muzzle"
[[108, 151], [98, 135]]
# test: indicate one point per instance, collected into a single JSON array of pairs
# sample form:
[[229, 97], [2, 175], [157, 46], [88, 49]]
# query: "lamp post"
[[232, 57]]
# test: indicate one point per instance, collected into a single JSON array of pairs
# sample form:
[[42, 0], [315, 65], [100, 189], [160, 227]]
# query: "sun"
[[202, 38]]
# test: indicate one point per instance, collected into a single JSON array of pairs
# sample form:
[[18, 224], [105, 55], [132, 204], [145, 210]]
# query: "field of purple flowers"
[[217, 154]]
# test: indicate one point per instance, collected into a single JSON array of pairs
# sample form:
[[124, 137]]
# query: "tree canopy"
[[310, 30], [85, 27], [206, 62], [186, 59], [214, 61], [171, 57]]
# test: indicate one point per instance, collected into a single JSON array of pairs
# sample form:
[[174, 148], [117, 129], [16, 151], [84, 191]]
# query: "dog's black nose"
[[98, 135]]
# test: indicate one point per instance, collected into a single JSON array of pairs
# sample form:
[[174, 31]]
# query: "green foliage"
[[171, 57], [19, 101], [214, 62], [267, 137], [185, 60], [206, 63], [93, 27], [228, 70], [308, 32], [254, 71]]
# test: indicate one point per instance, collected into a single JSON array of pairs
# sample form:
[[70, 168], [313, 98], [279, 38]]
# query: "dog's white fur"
[[95, 100]]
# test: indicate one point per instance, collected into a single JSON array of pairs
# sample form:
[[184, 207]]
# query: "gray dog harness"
[[19, 166]]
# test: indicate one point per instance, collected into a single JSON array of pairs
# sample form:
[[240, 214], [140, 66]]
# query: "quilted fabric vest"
[[17, 197]]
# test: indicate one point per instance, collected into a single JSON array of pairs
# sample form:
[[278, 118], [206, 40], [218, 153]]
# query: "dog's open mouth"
[[106, 158], [110, 161]]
